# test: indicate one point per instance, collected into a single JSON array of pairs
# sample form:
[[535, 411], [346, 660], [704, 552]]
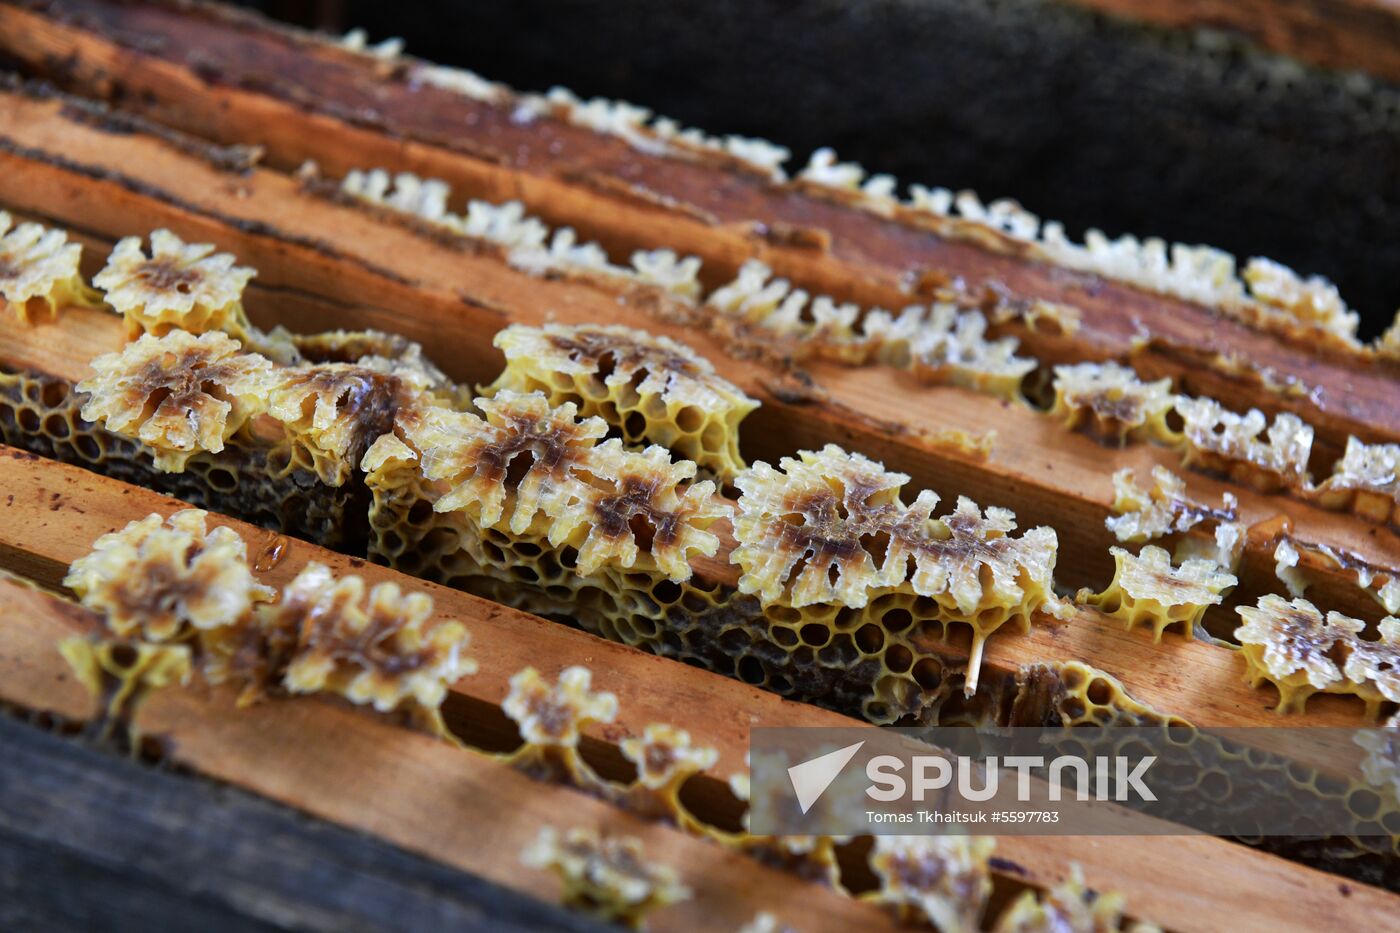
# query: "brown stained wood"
[[323, 265], [90, 838], [1348, 35], [236, 79], [342, 765], [1185, 883]]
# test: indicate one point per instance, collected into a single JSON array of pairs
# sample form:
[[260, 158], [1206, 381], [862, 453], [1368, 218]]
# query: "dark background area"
[[1192, 136]]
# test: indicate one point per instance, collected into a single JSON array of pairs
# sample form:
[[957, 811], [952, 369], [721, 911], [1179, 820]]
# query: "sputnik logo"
[[811, 778]]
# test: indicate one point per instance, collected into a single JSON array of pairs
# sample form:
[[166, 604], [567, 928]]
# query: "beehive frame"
[[816, 366]]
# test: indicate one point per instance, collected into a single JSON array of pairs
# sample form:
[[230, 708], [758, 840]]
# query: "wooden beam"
[[58, 510], [87, 837]]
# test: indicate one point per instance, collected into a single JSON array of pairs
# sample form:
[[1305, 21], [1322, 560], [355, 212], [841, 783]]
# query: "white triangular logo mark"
[[811, 778]]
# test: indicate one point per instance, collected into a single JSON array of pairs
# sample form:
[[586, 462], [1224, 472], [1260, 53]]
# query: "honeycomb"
[[384, 353], [1387, 345], [1038, 315], [1072, 693], [40, 413], [1068, 907], [812, 856], [1313, 301], [164, 580], [665, 759], [1291, 645], [1111, 402], [1381, 766], [1295, 559], [177, 394], [627, 509], [650, 388], [609, 877], [175, 581], [941, 344], [121, 673], [551, 719], [1148, 590], [1376, 664], [254, 655], [942, 880], [1141, 515], [332, 413], [1221, 441], [951, 347], [527, 241], [1365, 481], [835, 661], [39, 270], [371, 645], [829, 528], [180, 285], [663, 268]]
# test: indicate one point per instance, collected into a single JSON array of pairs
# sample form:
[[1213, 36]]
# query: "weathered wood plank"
[[91, 839]]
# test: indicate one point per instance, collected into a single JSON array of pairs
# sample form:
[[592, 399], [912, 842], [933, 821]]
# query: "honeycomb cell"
[[942, 880], [178, 394], [609, 877], [164, 580], [1239, 446], [184, 286], [39, 270], [1110, 402], [1148, 590], [650, 388]]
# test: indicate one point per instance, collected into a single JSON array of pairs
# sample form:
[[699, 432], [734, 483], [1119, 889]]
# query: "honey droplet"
[[271, 554]]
